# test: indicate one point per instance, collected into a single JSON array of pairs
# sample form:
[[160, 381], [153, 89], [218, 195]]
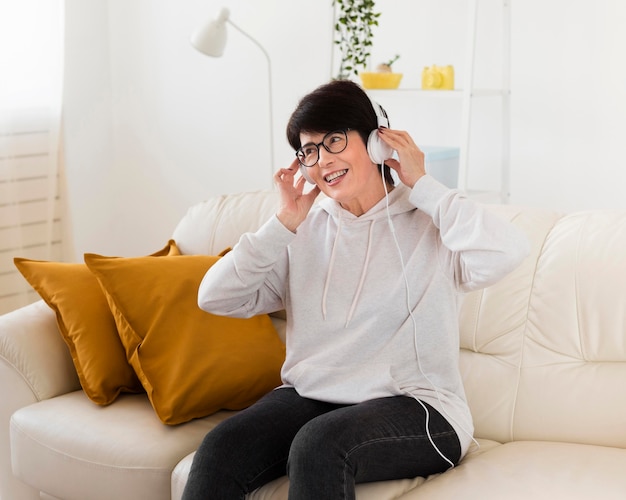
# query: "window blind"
[[30, 205]]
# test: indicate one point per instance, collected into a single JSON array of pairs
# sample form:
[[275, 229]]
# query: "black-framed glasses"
[[333, 142]]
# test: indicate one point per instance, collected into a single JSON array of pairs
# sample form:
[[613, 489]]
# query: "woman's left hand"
[[410, 166]]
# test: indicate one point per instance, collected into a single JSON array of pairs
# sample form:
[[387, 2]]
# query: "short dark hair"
[[336, 105]]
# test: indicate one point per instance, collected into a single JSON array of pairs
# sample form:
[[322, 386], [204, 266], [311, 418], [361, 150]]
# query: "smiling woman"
[[388, 361], [31, 55]]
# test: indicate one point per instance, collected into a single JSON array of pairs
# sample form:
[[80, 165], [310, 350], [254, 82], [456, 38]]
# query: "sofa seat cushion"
[[533, 469], [279, 488], [73, 449]]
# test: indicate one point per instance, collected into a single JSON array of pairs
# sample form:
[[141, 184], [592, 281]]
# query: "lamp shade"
[[210, 39]]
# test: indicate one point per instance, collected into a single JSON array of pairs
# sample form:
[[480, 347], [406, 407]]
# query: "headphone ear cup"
[[377, 149], [305, 174]]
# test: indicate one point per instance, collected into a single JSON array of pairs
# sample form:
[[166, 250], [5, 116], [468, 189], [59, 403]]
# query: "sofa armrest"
[[35, 364], [33, 350]]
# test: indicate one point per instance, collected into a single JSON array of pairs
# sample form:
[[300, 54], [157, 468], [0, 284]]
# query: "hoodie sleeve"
[[250, 279], [478, 247]]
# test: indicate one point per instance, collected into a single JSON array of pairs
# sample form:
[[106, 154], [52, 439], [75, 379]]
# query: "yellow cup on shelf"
[[372, 80]]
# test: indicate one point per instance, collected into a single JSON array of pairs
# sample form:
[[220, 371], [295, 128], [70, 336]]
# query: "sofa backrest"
[[543, 352], [215, 224]]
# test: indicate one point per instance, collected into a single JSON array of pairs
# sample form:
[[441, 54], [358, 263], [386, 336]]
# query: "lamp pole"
[[269, 87], [211, 40]]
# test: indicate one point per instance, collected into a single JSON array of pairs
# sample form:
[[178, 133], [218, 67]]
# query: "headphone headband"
[[381, 114]]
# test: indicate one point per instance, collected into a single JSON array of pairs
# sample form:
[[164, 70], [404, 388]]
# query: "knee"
[[315, 443], [215, 449]]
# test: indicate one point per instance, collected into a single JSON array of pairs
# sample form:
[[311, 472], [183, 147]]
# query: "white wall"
[[153, 126], [88, 131], [178, 127], [569, 105]]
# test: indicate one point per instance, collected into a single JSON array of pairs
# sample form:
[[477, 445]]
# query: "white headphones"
[[378, 150]]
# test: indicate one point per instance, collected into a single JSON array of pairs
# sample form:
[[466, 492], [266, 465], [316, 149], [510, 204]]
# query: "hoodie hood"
[[398, 203]]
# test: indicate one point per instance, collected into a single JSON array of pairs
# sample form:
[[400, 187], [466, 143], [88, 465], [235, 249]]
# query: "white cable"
[[408, 306]]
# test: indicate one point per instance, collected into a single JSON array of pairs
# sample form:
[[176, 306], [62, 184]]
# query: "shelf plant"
[[353, 34], [386, 66]]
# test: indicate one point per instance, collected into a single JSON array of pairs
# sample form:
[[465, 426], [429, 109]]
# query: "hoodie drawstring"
[[363, 273], [330, 268]]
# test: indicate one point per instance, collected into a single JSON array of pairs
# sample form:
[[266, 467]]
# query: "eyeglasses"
[[333, 142]]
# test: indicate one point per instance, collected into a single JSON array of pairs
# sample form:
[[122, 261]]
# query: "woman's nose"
[[323, 156]]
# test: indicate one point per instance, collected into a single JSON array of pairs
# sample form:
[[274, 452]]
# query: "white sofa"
[[543, 360]]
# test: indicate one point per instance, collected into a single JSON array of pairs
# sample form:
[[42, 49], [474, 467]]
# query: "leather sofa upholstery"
[[543, 360]]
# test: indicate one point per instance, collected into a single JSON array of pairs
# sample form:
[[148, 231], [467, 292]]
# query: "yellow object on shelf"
[[438, 78], [381, 80]]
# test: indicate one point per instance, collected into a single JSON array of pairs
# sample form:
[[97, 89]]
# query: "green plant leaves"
[[353, 34]]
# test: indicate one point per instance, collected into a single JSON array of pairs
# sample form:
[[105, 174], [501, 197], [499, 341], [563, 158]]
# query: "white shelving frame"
[[470, 93]]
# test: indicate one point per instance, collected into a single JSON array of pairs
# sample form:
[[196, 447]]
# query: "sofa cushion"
[[73, 449], [190, 362], [279, 488], [522, 470], [87, 325], [378, 490], [218, 222], [547, 342]]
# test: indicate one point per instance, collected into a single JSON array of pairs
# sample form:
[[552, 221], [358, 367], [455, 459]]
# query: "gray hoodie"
[[372, 301]]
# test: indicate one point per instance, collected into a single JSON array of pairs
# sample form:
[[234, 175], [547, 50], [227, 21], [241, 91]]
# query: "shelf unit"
[[468, 93]]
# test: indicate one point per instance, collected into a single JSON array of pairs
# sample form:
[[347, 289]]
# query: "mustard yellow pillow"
[[190, 362], [87, 325]]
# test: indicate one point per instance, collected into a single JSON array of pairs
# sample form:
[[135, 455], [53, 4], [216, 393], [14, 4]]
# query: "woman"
[[370, 279]]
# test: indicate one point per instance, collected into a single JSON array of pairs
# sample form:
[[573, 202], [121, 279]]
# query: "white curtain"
[[31, 75]]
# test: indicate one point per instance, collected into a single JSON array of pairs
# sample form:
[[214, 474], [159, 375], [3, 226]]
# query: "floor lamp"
[[210, 39]]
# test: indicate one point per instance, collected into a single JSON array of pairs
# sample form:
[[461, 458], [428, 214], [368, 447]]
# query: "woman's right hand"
[[294, 204], [410, 163]]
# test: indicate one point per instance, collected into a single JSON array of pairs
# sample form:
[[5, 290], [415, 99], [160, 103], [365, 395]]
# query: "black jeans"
[[324, 448]]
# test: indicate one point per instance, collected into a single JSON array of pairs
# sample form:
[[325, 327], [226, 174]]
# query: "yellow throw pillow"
[[190, 362], [87, 325]]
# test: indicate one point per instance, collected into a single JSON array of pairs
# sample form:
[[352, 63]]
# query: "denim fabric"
[[324, 448]]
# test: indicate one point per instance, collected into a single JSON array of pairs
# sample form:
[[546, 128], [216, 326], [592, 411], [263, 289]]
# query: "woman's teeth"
[[335, 175]]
